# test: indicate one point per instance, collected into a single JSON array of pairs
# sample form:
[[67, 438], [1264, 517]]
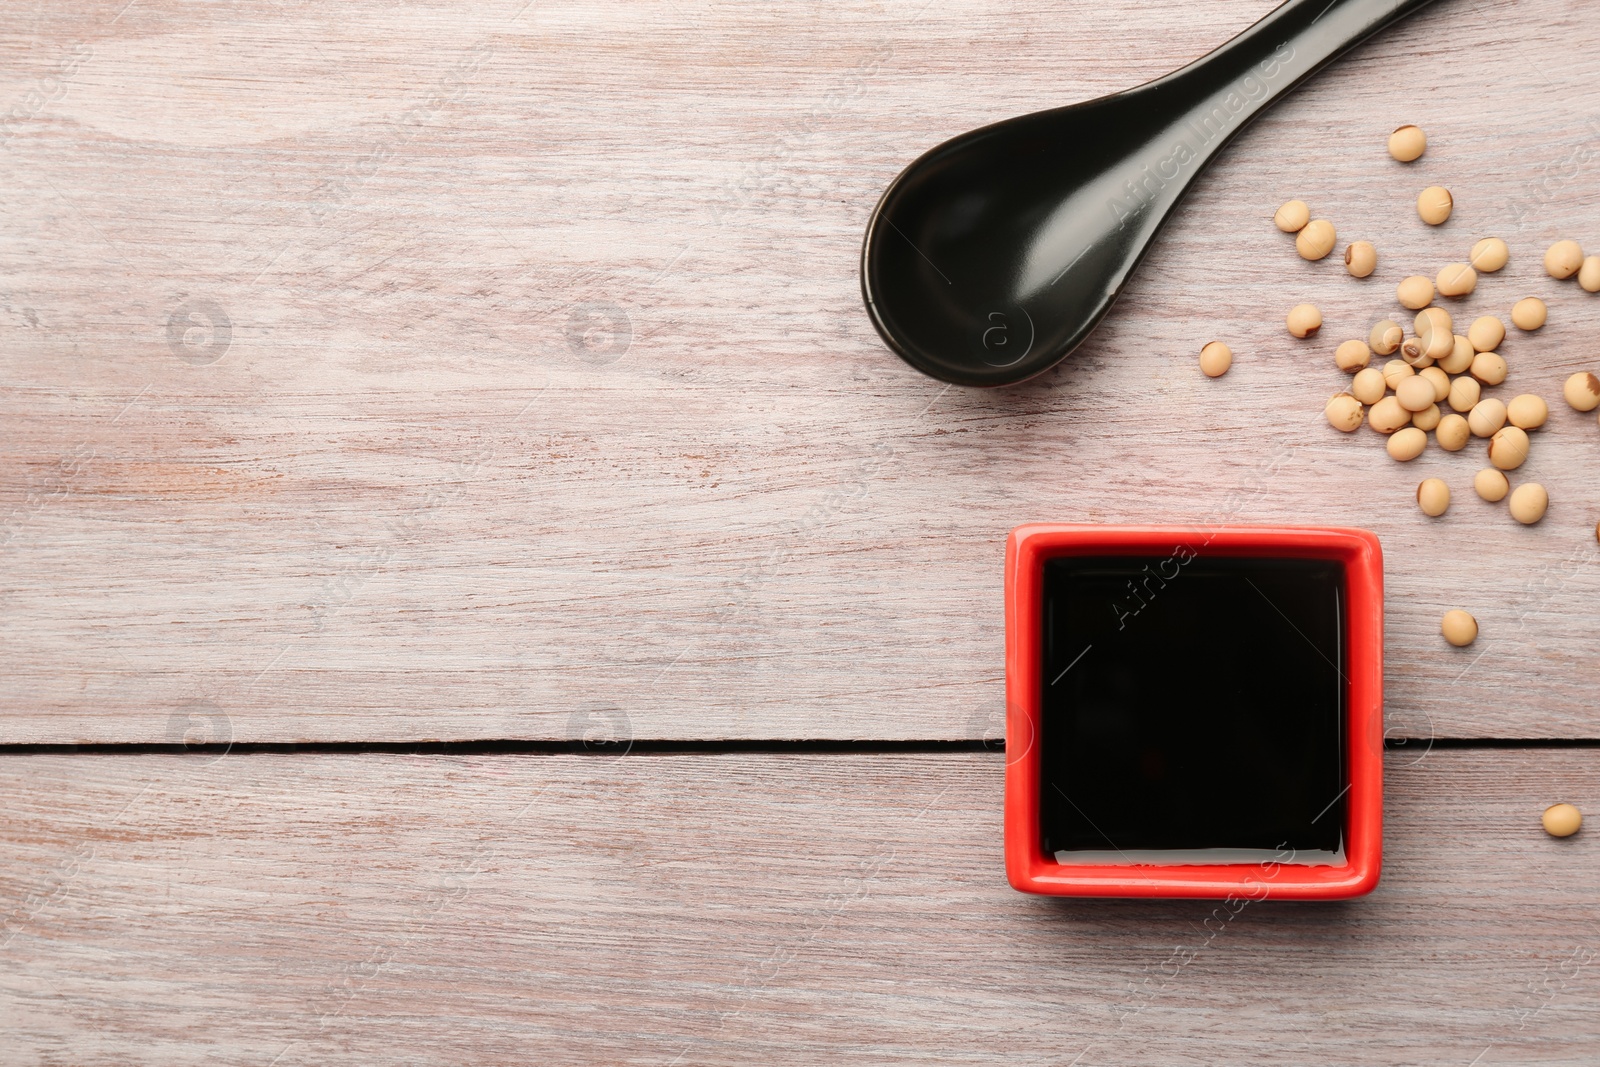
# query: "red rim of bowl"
[[1027, 866]]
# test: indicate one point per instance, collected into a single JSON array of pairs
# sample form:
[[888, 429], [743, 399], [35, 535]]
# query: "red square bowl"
[[1355, 867]]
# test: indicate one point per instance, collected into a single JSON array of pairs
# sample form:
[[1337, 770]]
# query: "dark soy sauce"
[[1193, 703]]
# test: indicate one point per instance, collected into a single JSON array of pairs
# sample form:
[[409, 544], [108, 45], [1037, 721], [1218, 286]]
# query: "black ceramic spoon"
[[995, 254]]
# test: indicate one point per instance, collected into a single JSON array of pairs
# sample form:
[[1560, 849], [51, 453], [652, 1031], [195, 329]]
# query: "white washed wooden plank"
[[407, 502], [729, 909]]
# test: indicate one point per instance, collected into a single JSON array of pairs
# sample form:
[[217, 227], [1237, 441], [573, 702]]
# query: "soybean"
[[1460, 357], [1561, 820], [1396, 371], [1433, 497], [1491, 485], [1386, 337], [1368, 385], [1456, 279], [1415, 292], [1440, 380], [1589, 274], [1415, 393], [1407, 444], [1452, 433], [1434, 204], [1304, 320], [1508, 448], [1215, 359], [1431, 320], [1414, 353], [1459, 628], [1292, 216], [1464, 393], [1343, 412], [1487, 417], [1407, 143], [1315, 240], [1486, 333], [1527, 412], [1582, 391], [1387, 416], [1427, 418], [1562, 259], [1433, 326], [1489, 255], [1360, 258], [1489, 368], [1529, 503], [1352, 356], [1529, 313]]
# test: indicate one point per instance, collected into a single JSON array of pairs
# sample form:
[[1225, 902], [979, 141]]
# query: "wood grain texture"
[[748, 908], [545, 391]]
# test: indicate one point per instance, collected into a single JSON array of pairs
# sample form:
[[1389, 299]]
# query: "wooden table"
[[413, 397]]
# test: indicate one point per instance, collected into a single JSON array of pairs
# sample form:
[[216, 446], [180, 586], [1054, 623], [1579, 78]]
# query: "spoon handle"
[[1244, 77], [1201, 107]]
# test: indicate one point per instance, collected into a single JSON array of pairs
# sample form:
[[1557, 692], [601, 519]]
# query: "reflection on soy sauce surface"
[[1193, 704]]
